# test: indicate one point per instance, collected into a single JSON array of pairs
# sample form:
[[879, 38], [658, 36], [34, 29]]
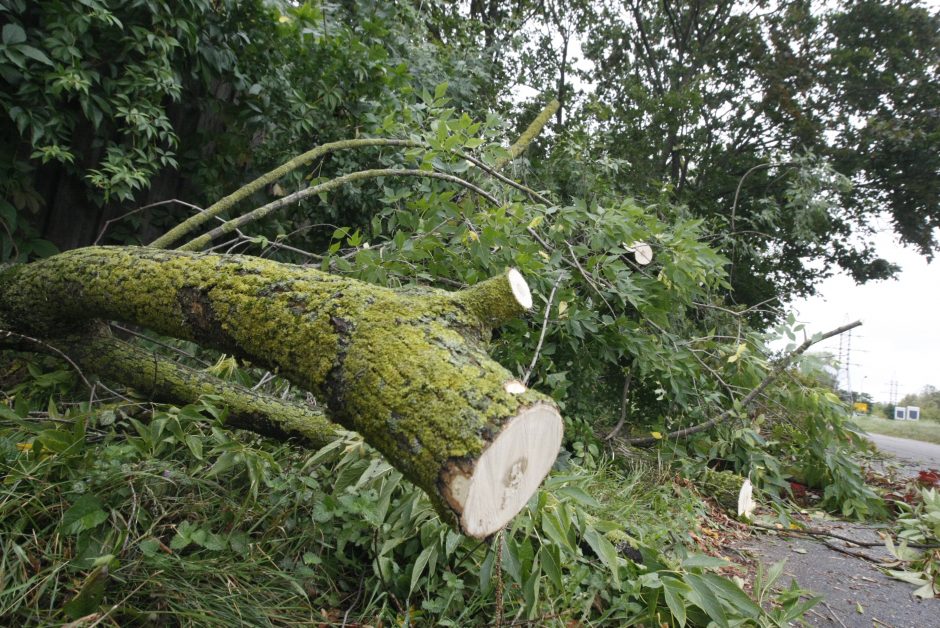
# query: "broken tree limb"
[[532, 131], [161, 379], [406, 369], [749, 398], [224, 204], [198, 243], [723, 486]]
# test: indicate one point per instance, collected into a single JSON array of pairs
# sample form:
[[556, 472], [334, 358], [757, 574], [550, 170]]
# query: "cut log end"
[[641, 252], [520, 289], [509, 471]]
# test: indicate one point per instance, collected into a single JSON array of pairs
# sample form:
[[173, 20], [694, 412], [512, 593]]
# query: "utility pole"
[[848, 364]]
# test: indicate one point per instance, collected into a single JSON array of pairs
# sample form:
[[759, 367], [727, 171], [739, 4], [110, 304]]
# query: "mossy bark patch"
[[408, 370], [161, 379]]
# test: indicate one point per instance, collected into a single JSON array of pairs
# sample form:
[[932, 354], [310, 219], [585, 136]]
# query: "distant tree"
[[788, 126], [928, 400]]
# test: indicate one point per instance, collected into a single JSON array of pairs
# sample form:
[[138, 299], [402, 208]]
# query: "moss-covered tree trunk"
[[406, 369]]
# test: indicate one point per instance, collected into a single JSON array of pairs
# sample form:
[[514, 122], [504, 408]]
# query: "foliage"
[[928, 400], [742, 110], [919, 523], [159, 515], [119, 100]]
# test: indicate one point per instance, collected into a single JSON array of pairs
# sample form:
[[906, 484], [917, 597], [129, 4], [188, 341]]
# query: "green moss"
[[165, 380], [724, 486], [531, 132], [407, 370]]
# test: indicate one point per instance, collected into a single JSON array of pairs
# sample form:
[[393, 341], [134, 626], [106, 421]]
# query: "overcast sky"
[[900, 336]]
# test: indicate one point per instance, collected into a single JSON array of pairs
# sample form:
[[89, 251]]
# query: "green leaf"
[[57, 441], [486, 571], [419, 565], [224, 462], [553, 528], [149, 547], [551, 564], [86, 513], [36, 54], [733, 595], [511, 562], [606, 551], [703, 597], [675, 591], [530, 590], [13, 34], [579, 496]]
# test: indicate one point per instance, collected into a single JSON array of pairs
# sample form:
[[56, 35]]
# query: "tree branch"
[[229, 226], [193, 222], [781, 366]]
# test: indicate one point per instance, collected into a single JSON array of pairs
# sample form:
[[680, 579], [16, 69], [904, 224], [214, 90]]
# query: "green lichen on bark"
[[491, 302], [225, 204], [406, 370], [162, 379], [723, 486], [532, 131]]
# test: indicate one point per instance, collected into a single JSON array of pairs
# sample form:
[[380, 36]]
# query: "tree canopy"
[[792, 128]]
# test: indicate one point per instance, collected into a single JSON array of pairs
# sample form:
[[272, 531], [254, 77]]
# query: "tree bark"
[[407, 369], [162, 379]]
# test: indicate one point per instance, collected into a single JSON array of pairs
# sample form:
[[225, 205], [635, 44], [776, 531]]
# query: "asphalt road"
[[913, 453], [857, 593]]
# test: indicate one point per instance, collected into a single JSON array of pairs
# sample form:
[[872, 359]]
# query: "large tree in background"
[[755, 116], [792, 127], [109, 105], [759, 116]]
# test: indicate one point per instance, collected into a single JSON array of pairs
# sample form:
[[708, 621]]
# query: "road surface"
[[857, 594], [913, 453]]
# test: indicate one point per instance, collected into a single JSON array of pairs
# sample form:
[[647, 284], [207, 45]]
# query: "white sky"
[[899, 339]]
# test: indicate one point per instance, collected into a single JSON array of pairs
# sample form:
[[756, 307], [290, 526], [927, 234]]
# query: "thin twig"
[[826, 533], [848, 552], [535, 196], [833, 614], [624, 397], [538, 347], [224, 204], [108, 223], [584, 274]]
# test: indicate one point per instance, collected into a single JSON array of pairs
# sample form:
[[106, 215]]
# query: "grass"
[[927, 431], [123, 513], [166, 519]]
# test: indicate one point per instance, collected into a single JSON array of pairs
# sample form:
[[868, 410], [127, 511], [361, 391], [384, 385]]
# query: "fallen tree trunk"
[[406, 369], [161, 379]]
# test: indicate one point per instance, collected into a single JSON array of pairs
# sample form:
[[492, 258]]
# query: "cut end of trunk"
[[508, 472], [520, 289], [642, 253]]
